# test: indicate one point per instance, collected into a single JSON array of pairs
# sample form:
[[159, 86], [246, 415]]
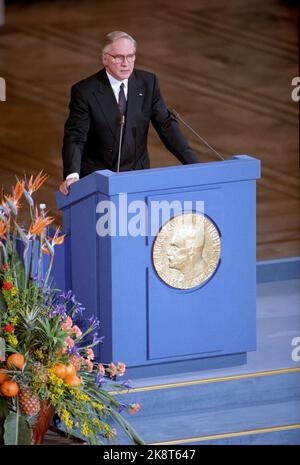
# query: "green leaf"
[[3, 407], [103, 397], [16, 430], [11, 205], [19, 271], [22, 235], [28, 198], [51, 332], [129, 430], [2, 349], [3, 306]]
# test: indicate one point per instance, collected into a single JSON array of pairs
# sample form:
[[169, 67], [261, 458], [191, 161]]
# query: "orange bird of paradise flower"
[[35, 183], [17, 193], [18, 190], [3, 227], [39, 224], [55, 240]]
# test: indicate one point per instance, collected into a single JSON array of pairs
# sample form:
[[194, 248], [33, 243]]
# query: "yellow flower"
[[86, 430], [39, 354], [55, 380], [66, 418], [98, 406], [53, 399], [109, 432], [35, 386], [69, 424], [12, 340], [97, 422], [80, 396]]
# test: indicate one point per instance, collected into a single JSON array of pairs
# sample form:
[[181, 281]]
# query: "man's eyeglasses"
[[120, 58]]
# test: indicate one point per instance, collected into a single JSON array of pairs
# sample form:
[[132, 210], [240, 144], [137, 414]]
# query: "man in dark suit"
[[115, 96]]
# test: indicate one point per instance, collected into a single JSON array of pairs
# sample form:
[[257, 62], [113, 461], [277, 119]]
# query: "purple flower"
[[97, 339], [68, 300], [94, 321], [66, 296], [121, 407], [78, 309], [59, 310], [73, 351], [100, 380], [126, 384]]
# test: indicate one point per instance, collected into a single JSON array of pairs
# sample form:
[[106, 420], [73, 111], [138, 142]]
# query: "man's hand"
[[64, 187]]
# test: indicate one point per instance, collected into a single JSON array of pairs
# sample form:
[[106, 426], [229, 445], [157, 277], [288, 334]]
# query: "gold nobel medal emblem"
[[186, 251]]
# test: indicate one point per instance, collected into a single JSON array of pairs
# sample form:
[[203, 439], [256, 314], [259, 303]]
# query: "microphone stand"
[[177, 116], [122, 123]]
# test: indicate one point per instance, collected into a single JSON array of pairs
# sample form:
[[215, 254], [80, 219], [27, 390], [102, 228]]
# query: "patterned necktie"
[[122, 100]]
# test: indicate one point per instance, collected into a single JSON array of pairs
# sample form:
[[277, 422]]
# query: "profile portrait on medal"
[[186, 251]]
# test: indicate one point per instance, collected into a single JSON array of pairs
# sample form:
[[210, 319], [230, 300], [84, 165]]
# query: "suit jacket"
[[92, 130]]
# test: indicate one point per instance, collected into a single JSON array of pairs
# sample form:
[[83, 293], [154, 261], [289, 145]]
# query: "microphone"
[[122, 123], [177, 116]]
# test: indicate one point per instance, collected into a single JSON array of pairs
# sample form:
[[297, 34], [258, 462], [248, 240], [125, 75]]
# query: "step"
[[188, 427], [211, 407], [217, 393], [280, 435]]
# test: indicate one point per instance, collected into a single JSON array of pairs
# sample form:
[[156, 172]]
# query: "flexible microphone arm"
[[122, 123], [177, 116]]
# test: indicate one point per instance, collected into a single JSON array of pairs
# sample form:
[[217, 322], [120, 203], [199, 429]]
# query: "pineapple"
[[29, 403], [40, 372]]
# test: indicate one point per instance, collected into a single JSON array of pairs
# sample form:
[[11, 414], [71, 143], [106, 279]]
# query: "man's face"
[[186, 247], [123, 70], [177, 253]]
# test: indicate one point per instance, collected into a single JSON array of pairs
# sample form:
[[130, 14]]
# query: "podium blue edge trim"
[[110, 183]]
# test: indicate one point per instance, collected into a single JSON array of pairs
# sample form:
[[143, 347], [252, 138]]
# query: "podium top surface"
[[238, 168]]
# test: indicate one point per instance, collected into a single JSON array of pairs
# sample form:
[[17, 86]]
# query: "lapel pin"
[[141, 94]]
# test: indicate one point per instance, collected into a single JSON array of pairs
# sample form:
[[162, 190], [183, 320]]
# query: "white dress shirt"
[[115, 85]]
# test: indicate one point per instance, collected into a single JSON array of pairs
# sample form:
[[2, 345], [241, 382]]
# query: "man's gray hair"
[[115, 35]]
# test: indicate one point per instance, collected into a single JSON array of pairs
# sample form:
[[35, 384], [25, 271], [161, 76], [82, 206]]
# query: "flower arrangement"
[[46, 346]]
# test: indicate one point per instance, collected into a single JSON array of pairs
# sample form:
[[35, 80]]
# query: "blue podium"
[[153, 327]]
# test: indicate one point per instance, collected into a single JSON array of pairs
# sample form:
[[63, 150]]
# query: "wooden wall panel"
[[226, 66]]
